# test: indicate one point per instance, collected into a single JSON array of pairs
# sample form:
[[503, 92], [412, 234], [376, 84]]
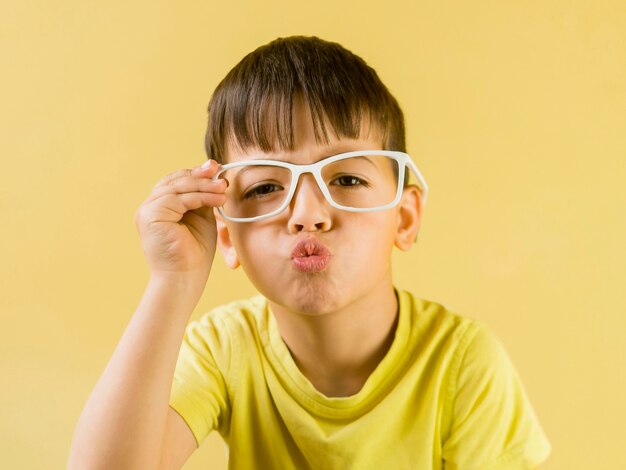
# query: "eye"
[[350, 180], [262, 190]]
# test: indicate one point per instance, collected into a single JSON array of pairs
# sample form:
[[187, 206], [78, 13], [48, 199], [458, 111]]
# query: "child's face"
[[360, 243]]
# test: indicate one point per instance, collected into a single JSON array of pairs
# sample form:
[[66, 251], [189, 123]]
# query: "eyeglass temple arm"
[[420, 178]]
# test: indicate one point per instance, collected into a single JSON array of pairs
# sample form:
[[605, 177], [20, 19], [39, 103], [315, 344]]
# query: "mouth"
[[310, 256]]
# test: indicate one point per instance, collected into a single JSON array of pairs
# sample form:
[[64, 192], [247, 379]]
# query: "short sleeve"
[[493, 424], [199, 391]]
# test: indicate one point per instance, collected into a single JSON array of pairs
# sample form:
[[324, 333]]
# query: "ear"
[[224, 243], [409, 217]]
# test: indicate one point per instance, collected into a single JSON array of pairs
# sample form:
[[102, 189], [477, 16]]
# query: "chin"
[[313, 295]]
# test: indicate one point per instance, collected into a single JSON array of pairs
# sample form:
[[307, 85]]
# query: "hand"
[[176, 222]]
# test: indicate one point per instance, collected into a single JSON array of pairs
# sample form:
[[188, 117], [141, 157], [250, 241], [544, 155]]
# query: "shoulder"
[[222, 329], [238, 314], [435, 325], [476, 352]]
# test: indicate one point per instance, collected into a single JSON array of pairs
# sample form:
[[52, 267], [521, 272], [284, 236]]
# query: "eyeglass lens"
[[364, 182]]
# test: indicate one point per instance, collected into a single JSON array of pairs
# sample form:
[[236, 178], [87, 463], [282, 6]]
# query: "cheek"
[[255, 248], [372, 234]]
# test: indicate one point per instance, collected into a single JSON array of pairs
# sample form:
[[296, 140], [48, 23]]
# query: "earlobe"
[[225, 243], [409, 218]]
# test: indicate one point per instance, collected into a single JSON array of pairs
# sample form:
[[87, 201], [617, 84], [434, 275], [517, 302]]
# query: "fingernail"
[[206, 164]]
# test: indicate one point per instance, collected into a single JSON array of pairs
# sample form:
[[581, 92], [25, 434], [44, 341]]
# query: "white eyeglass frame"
[[403, 160]]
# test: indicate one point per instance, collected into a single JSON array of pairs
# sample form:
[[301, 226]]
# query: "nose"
[[308, 208]]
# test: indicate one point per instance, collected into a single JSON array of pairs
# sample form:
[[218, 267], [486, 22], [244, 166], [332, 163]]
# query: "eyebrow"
[[364, 157]]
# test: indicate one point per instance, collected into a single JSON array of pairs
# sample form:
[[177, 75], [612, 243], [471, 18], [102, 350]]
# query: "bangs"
[[253, 107], [266, 122]]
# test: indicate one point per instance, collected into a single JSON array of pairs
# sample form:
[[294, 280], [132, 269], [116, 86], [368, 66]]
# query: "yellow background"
[[516, 115]]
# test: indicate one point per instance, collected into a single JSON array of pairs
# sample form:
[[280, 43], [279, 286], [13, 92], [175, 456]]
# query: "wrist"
[[188, 283]]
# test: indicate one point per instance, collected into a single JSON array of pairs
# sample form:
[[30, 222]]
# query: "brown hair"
[[252, 106]]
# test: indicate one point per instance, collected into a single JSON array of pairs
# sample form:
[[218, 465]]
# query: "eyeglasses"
[[360, 181]]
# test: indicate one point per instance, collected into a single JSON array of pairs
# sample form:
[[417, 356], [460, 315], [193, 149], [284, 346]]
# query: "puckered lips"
[[310, 256]]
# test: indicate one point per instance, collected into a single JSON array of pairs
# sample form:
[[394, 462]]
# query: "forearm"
[[123, 422]]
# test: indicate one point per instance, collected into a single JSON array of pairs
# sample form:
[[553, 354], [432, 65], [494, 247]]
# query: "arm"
[[127, 417], [127, 420]]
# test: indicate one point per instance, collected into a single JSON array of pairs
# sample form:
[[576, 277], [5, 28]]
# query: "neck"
[[339, 350]]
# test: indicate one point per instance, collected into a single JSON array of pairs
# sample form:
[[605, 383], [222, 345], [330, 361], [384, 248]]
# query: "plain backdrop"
[[515, 115]]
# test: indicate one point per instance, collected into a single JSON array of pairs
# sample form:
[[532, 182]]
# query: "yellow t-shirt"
[[446, 396]]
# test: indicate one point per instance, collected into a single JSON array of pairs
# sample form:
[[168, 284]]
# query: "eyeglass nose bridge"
[[316, 171]]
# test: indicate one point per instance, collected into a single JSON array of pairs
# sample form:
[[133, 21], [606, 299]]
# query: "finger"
[[172, 207], [188, 184], [198, 171], [204, 213]]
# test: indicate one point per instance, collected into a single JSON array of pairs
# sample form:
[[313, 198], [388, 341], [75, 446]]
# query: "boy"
[[331, 367]]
